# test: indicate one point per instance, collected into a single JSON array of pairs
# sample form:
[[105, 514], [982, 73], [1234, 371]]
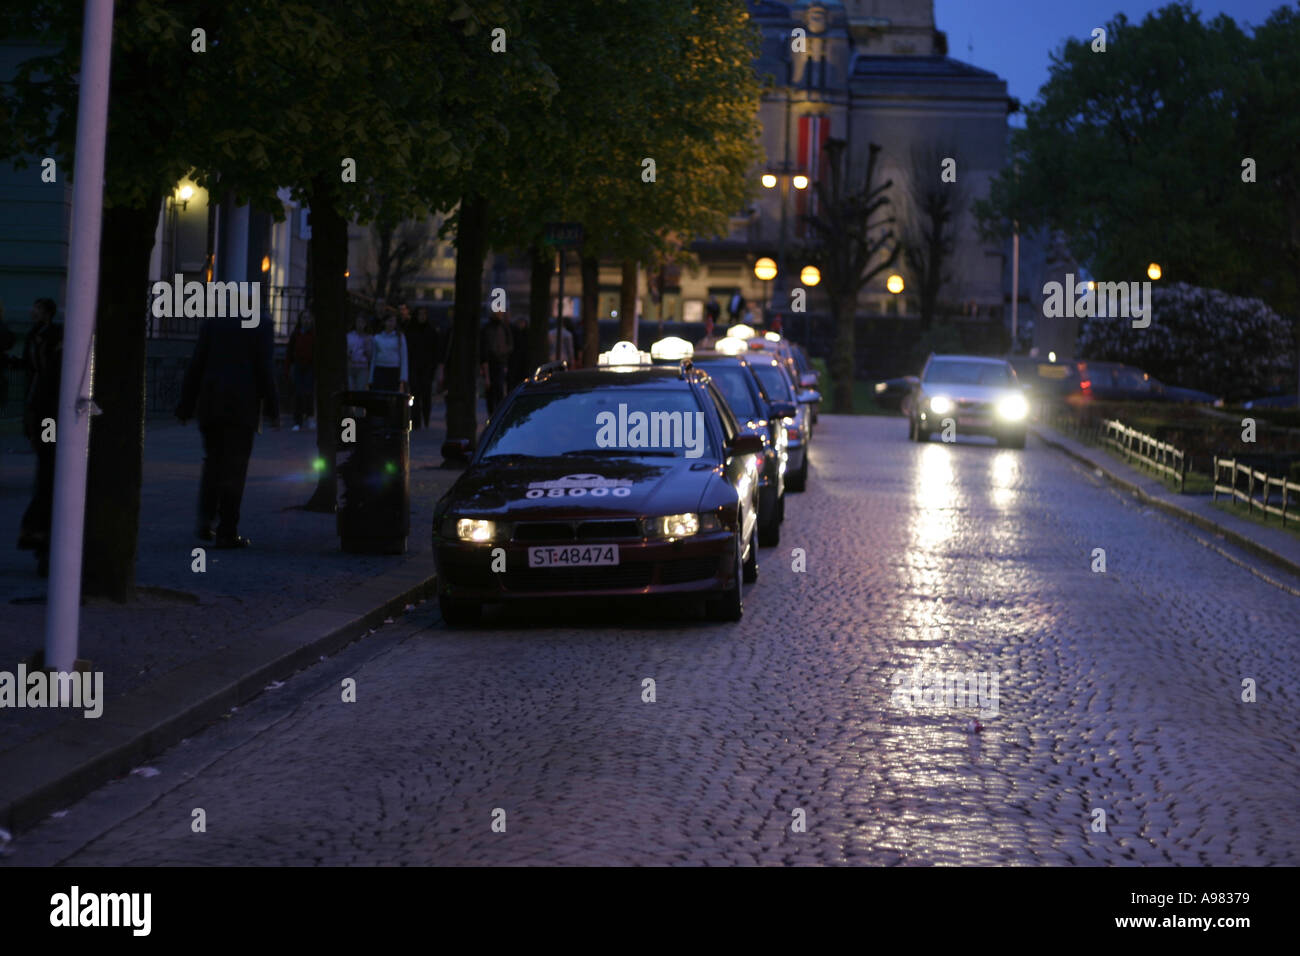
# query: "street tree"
[[853, 241], [935, 203], [1141, 156]]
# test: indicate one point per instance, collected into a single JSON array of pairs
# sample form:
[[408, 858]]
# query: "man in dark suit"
[[228, 382]]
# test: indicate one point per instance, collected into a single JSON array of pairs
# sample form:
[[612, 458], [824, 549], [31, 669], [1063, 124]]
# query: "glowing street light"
[[799, 182], [185, 193], [765, 269], [810, 275], [769, 181], [1153, 271], [894, 283]]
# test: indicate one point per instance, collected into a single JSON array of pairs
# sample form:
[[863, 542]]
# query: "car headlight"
[[675, 526], [475, 530], [1013, 408], [881, 388], [941, 405]]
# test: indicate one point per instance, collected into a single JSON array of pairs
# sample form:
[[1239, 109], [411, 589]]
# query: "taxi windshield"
[[957, 372], [615, 422], [732, 381], [774, 382]]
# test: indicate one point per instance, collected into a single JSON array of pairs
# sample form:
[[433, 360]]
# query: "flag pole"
[[72, 433]]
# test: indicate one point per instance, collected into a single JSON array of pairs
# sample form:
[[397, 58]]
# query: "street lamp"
[[894, 283], [180, 199], [810, 276], [797, 180], [1153, 271], [765, 269]]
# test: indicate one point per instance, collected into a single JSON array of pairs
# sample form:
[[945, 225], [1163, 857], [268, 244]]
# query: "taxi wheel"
[[729, 605], [769, 532], [799, 480], [750, 568], [459, 613]]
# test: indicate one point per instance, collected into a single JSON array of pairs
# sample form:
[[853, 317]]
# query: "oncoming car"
[[979, 396], [624, 480]]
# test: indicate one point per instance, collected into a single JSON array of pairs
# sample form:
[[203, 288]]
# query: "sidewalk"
[[194, 645], [1270, 544]]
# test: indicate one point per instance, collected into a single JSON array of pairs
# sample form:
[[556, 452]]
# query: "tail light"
[[792, 432]]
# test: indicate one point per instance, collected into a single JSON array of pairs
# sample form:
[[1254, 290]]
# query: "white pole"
[[72, 434], [1015, 286]]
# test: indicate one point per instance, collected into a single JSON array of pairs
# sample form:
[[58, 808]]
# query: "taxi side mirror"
[[746, 444]]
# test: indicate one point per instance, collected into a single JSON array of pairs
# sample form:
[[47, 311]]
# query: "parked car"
[[736, 381], [981, 396], [1285, 400], [1046, 380], [775, 383], [1115, 381], [894, 392], [569, 495]]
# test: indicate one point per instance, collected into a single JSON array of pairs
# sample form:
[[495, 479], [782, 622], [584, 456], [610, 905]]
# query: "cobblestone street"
[[1118, 692]]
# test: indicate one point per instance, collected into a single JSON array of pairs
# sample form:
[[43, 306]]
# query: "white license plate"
[[573, 556], [966, 421]]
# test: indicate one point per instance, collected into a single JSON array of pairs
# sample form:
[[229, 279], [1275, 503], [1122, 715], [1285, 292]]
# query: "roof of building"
[[912, 66]]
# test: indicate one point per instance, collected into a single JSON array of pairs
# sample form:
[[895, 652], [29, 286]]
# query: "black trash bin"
[[374, 515]]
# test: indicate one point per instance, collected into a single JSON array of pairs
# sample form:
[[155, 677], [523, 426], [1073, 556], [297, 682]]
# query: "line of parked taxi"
[[656, 474]]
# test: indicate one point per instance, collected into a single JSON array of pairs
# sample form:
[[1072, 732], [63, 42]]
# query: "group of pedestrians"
[[405, 354]]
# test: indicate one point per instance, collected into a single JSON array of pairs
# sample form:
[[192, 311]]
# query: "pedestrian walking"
[[495, 345], [566, 344], [361, 351], [43, 360], [299, 364], [710, 340], [422, 346], [389, 366], [227, 386], [736, 307]]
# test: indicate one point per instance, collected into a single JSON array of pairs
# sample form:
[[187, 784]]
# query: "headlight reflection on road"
[[938, 498], [1004, 476]]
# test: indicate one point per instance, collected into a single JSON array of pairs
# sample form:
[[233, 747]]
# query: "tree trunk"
[[463, 365], [844, 314], [539, 304], [627, 301], [116, 464], [329, 255], [590, 303]]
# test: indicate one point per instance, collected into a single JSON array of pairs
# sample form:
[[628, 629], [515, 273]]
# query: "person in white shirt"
[[388, 365], [361, 350], [566, 346]]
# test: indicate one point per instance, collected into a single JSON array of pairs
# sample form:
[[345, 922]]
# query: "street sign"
[[563, 235]]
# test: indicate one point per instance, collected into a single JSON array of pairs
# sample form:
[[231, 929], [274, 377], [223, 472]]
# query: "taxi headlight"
[[674, 526], [475, 530], [940, 405], [1013, 408]]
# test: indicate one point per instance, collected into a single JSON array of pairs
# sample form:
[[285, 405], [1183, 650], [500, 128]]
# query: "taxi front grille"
[[618, 577], [601, 529]]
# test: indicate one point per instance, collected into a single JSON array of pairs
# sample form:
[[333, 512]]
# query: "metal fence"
[[1255, 480], [1137, 446]]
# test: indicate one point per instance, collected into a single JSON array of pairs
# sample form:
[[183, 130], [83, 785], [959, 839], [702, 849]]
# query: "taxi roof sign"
[[740, 332], [730, 346], [672, 349], [624, 353]]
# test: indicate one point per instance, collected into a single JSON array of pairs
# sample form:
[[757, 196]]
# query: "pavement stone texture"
[[1118, 692], [182, 616]]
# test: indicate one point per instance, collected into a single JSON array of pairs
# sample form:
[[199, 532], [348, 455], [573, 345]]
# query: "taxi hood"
[[577, 486]]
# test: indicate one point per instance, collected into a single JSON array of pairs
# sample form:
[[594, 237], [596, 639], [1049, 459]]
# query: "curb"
[[55, 769], [1247, 544]]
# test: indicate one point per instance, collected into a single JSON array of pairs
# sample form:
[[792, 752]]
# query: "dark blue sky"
[[1014, 38]]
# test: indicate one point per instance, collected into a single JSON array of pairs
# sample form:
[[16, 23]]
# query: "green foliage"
[[1135, 154]]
